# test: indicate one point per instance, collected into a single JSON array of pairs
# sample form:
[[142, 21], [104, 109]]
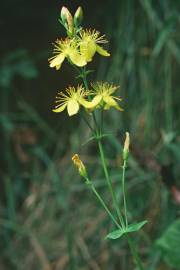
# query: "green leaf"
[[115, 234], [131, 228], [169, 244], [89, 140], [136, 226]]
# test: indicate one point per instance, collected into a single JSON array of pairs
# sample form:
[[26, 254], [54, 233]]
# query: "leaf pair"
[[130, 228]]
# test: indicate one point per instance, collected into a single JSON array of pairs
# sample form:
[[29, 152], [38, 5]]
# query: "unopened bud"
[[67, 20], [64, 12], [126, 146], [78, 17], [79, 164]]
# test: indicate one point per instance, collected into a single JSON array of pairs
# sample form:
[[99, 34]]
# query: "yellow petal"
[[91, 104], [72, 107], [110, 102], [88, 49], [119, 108], [58, 67], [60, 108], [77, 59], [57, 61], [101, 51], [106, 107]]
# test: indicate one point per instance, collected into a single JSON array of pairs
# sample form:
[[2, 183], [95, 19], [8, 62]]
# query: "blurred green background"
[[48, 218]]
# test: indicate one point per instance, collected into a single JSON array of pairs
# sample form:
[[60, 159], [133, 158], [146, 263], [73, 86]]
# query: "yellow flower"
[[67, 48], [72, 100], [103, 94], [88, 42]]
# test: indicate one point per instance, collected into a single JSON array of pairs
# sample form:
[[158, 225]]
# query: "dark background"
[[48, 219]]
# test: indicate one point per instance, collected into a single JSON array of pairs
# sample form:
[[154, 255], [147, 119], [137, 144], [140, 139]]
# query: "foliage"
[[169, 244]]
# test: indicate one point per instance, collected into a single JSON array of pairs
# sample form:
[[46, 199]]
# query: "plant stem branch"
[[84, 78], [102, 202], [130, 242], [124, 192], [109, 183]]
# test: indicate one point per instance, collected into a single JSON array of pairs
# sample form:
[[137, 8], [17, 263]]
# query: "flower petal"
[[60, 108], [101, 51], [72, 107], [119, 108], [88, 49], [57, 61], [77, 59], [91, 104], [110, 102]]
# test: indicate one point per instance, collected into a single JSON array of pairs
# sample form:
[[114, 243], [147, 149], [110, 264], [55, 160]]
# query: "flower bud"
[[67, 20], [79, 164], [126, 146], [64, 12], [78, 17]]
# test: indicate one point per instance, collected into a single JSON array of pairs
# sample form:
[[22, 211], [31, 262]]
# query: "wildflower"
[[89, 40], [72, 100], [126, 146], [66, 48], [79, 164], [103, 93]]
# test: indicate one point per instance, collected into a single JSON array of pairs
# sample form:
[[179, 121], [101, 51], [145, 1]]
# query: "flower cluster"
[[101, 97], [79, 48], [81, 44]]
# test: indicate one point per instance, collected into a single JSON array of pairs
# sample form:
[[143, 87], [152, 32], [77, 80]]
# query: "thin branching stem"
[[101, 151], [102, 201], [103, 161], [98, 131], [124, 192], [130, 242]]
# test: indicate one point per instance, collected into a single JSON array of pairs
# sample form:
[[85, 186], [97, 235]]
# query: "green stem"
[[84, 78], [135, 253], [130, 242], [101, 201], [109, 183], [124, 192], [101, 123], [83, 73]]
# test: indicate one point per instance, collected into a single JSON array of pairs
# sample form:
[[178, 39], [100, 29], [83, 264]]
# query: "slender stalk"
[[124, 192], [135, 254], [102, 202], [101, 123], [120, 217], [109, 183], [130, 242], [83, 75], [84, 78]]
